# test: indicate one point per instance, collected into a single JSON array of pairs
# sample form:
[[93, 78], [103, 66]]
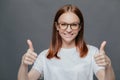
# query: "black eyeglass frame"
[[64, 26]]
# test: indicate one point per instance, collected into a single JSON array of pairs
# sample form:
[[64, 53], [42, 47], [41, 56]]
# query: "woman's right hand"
[[30, 56]]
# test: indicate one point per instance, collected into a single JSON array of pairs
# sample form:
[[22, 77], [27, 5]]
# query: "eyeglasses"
[[73, 26]]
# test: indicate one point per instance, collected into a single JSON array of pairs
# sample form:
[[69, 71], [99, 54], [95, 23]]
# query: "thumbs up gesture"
[[101, 58], [30, 56]]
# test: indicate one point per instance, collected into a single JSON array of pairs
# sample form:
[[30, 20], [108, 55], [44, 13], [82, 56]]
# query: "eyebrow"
[[67, 22]]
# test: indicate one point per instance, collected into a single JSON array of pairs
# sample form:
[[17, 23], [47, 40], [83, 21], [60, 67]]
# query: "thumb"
[[30, 45], [102, 47]]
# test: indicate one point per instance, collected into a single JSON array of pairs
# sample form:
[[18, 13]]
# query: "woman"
[[68, 58]]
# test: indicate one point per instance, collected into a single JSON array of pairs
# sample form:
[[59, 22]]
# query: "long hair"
[[56, 42]]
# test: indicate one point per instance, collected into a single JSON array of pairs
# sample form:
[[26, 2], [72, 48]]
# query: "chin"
[[69, 40]]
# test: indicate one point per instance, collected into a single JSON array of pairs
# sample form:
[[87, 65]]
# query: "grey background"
[[32, 19]]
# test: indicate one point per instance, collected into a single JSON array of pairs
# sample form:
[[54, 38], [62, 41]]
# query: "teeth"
[[68, 35]]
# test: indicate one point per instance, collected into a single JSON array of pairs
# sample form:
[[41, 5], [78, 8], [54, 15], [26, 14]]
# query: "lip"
[[68, 35]]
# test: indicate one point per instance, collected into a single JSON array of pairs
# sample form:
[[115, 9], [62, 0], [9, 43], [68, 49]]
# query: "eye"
[[74, 24], [63, 24]]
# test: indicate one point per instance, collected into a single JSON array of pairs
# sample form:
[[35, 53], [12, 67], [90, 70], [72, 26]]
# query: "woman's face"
[[68, 26]]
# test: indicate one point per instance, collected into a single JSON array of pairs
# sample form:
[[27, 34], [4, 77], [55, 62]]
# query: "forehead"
[[68, 17]]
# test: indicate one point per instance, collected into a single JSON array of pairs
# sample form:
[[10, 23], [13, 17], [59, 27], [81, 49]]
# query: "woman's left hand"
[[101, 58]]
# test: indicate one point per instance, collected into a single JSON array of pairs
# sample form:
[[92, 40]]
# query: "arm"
[[103, 60], [28, 59], [107, 74], [23, 73]]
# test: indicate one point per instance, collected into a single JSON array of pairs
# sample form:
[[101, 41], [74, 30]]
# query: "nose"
[[69, 28]]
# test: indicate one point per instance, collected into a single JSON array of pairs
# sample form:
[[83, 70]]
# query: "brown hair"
[[56, 42]]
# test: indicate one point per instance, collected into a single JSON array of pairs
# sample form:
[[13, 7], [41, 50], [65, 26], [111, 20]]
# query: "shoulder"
[[92, 49], [43, 53]]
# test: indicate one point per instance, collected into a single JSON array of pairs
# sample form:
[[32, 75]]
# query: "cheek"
[[76, 32], [61, 33]]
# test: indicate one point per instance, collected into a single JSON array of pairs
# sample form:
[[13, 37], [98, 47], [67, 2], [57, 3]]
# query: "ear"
[[56, 25]]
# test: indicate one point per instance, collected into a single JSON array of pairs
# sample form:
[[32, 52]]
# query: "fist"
[[101, 58], [30, 56]]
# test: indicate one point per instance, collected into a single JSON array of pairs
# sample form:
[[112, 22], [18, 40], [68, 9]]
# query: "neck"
[[68, 44]]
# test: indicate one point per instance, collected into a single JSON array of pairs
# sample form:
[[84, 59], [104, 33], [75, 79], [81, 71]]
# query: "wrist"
[[109, 66], [23, 65], [108, 62]]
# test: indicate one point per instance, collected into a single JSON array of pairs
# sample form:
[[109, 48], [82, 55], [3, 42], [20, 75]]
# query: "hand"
[[101, 58], [30, 56]]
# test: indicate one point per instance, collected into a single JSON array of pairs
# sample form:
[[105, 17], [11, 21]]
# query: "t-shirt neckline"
[[68, 49]]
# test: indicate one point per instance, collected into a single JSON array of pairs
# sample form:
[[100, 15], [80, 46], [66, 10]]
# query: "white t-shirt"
[[69, 67]]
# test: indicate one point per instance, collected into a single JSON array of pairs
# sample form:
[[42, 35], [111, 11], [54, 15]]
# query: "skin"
[[68, 35], [28, 59], [103, 60], [68, 39]]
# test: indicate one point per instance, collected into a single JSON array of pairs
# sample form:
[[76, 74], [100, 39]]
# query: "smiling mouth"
[[68, 35]]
